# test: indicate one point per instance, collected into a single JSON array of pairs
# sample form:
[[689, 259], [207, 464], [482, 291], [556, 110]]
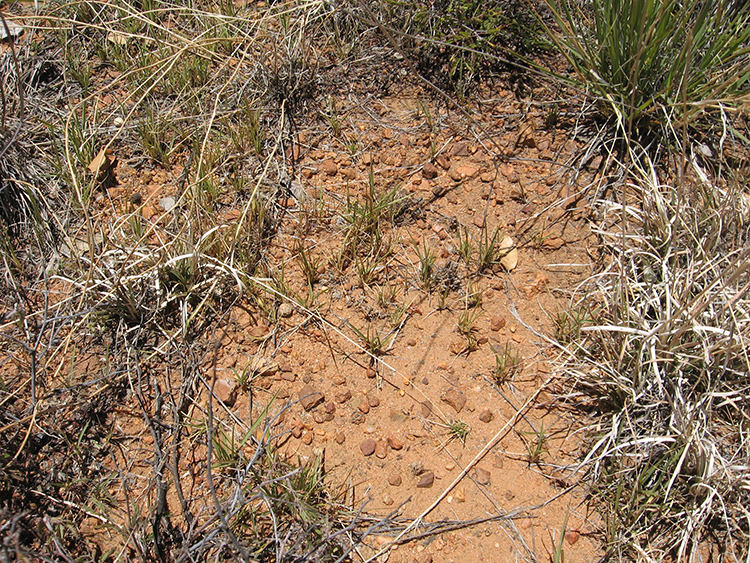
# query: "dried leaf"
[[99, 163], [117, 38], [509, 252]]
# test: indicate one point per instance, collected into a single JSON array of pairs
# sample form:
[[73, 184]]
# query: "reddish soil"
[[402, 405]]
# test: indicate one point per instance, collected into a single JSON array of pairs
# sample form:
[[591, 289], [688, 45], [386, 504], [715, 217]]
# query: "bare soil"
[[517, 495]]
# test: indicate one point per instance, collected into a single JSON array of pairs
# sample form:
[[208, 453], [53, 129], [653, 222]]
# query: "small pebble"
[[426, 480], [482, 476], [426, 407], [339, 438], [394, 480], [572, 536], [381, 449], [368, 447], [395, 443], [363, 407]]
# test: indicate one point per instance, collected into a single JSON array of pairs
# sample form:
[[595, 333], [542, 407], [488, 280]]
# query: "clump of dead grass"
[[660, 364]]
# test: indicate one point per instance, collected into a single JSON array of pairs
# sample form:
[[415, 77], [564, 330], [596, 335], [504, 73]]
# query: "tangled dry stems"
[[661, 364]]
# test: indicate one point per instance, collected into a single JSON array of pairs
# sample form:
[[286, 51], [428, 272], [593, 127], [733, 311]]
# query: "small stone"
[[455, 399], [297, 431], [510, 174], [509, 495], [357, 417], [460, 149], [553, 243], [429, 171], [307, 438], [258, 331], [443, 161], [395, 443], [426, 407], [398, 417], [411, 342], [363, 407], [439, 190], [167, 203], [497, 323], [486, 416], [381, 449], [318, 417], [285, 310], [572, 536], [423, 558], [371, 373], [329, 167], [373, 401], [460, 494], [226, 391], [478, 220], [394, 480], [339, 438], [368, 447], [482, 476], [136, 199], [343, 396], [338, 380], [468, 171], [282, 393], [310, 398], [387, 499], [497, 461], [426, 480]]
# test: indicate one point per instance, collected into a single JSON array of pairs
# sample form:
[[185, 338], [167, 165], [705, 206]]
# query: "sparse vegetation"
[[207, 207]]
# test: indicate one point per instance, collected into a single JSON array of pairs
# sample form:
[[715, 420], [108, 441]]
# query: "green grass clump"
[[652, 63]]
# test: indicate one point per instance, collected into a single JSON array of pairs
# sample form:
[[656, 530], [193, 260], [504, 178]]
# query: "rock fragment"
[[426, 480], [482, 476], [309, 397], [368, 447], [455, 399]]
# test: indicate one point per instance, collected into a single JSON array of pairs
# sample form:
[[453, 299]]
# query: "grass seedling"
[[372, 340], [466, 321], [473, 296], [537, 446], [458, 430], [464, 248], [507, 363], [568, 324], [487, 249], [427, 259], [310, 266]]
